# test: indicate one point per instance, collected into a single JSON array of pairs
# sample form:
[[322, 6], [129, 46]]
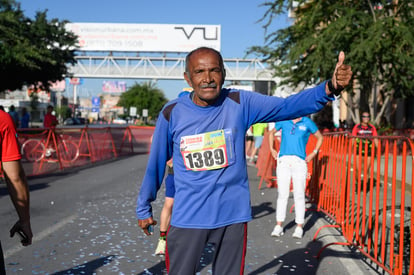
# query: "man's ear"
[[224, 76], [187, 78]]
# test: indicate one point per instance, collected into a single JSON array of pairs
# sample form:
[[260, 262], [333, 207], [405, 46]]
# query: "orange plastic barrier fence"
[[265, 163], [47, 151], [366, 191], [141, 138], [375, 202]]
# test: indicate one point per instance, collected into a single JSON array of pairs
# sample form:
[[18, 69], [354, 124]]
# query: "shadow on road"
[[292, 262], [262, 210], [32, 187], [205, 263], [87, 268]]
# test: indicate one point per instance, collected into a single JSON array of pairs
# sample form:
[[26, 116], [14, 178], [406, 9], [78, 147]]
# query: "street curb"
[[351, 265]]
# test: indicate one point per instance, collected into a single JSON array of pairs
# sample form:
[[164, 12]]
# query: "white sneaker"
[[160, 250], [298, 232], [277, 231]]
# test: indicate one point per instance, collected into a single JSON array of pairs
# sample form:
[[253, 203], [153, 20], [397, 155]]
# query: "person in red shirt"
[[16, 182], [364, 129], [50, 119]]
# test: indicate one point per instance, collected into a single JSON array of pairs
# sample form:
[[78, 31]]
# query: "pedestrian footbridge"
[[147, 67]]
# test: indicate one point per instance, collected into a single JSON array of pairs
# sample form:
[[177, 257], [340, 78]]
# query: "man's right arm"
[[355, 130], [154, 174], [19, 194], [271, 143]]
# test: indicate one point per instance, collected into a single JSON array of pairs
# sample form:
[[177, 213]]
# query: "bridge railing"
[[162, 68]]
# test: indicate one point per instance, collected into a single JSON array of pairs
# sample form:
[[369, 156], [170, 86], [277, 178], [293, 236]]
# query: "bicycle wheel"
[[33, 150], [68, 151]]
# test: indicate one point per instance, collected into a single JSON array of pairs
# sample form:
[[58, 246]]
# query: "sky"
[[240, 28]]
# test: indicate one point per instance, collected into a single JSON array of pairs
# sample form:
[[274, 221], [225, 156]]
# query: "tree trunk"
[[387, 99]]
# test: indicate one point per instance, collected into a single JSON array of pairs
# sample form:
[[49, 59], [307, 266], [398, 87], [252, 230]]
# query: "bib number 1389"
[[205, 160]]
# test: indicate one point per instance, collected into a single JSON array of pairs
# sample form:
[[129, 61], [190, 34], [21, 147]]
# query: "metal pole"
[[59, 104], [74, 99], [375, 100]]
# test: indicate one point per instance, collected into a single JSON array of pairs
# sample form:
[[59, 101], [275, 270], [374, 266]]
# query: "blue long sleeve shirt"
[[208, 149]]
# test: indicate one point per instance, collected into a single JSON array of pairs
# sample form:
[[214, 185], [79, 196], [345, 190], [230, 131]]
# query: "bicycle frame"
[[53, 148]]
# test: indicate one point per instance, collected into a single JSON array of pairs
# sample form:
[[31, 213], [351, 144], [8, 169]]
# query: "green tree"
[[376, 36], [144, 96], [64, 112], [34, 101], [33, 52]]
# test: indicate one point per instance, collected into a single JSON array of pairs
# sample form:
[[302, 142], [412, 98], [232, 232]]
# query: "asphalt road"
[[84, 223]]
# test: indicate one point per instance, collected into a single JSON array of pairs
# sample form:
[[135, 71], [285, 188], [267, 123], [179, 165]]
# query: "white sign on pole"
[[145, 112], [145, 37], [133, 111]]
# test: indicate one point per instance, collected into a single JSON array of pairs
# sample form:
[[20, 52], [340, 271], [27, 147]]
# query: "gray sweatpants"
[[185, 247]]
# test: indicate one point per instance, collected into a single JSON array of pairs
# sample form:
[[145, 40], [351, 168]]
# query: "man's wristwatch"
[[332, 89], [315, 151]]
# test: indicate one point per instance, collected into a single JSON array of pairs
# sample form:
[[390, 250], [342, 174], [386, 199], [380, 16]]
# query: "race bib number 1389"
[[205, 151]]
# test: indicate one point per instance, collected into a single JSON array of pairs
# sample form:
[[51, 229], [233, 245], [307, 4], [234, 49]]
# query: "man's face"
[[205, 75], [365, 118]]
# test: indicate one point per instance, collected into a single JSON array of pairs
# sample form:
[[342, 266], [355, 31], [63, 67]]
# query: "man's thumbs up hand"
[[341, 76]]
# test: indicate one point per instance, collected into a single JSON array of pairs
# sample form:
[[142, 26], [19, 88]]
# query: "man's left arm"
[[269, 108], [374, 133]]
